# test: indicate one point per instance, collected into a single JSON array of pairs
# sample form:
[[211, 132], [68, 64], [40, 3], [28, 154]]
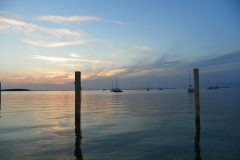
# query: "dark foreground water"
[[129, 125]]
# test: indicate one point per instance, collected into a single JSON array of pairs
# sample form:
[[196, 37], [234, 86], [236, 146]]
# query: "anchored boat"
[[190, 89], [116, 89]]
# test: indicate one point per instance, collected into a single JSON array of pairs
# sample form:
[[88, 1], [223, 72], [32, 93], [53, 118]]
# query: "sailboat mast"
[[116, 83], [189, 79]]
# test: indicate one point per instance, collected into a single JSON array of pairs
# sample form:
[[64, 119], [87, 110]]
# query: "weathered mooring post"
[[197, 148], [196, 82], [0, 94], [196, 92], [77, 151], [77, 96]]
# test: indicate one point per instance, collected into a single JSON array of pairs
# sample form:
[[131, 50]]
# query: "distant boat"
[[216, 87], [209, 87], [147, 87], [112, 90], [116, 89], [190, 89], [160, 86]]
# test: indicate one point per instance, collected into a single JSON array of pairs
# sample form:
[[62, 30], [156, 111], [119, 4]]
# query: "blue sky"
[[44, 42]]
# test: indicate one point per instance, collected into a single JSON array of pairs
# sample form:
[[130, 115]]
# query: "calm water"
[[129, 125]]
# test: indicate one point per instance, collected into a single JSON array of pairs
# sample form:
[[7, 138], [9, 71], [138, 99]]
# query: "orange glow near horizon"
[[41, 76]]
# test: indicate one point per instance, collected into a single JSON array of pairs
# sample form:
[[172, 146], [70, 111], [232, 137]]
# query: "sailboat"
[[190, 89], [147, 87], [116, 89], [216, 86], [112, 90], [209, 87], [160, 86]]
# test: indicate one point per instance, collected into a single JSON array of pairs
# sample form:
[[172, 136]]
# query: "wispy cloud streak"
[[165, 64], [72, 19], [54, 44], [41, 36], [49, 37], [11, 14], [54, 59], [28, 29], [227, 60], [143, 48], [61, 59]]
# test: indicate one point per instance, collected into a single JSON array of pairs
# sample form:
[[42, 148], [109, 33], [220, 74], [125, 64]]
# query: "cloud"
[[49, 37], [54, 44], [35, 75], [169, 63], [72, 65], [95, 61], [61, 59], [226, 61], [75, 55], [72, 19], [29, 28], [143, 48], [227, 58], [11, 14], [169, 56], [41, 36], [119, 22], [54, 59], [13, 22], [99, 71]]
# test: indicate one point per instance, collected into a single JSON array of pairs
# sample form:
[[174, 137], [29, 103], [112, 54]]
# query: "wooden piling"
[[78, 133], [196, 92], [197, 114], [77, 151], [77, 96], [0, 93], [196, 82]]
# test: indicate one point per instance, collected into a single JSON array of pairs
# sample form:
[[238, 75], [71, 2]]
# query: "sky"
[[43, 43]]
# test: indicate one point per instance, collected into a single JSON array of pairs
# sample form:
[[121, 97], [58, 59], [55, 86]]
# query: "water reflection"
[[197, 148], [78, 139], [78, 151], [190, 97]]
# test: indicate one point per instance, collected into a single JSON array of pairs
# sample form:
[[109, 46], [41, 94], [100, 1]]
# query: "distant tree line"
[[15, 90]]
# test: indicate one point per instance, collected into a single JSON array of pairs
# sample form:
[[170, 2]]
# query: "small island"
[[16, 89]]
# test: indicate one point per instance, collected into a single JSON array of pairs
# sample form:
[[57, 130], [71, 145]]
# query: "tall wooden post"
[[196, 83], [196, 92], [197, 148], [0, 93], [0, 98], [77, 96], [77, 151]]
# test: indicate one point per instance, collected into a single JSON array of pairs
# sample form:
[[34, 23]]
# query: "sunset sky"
[[42, 43]]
